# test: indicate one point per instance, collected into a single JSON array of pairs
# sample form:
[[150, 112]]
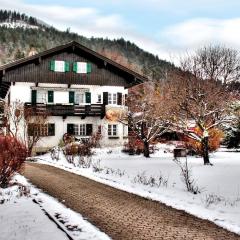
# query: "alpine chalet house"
[[77, 87]]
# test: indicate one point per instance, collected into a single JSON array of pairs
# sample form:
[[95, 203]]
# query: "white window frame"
[[77, 98], [112, 98], [59, 66], [112, 130], [42, 99], [82, 129], [76, 129]]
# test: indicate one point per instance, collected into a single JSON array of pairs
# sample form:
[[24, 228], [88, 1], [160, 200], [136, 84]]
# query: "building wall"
[[61, 128], [22, 92]]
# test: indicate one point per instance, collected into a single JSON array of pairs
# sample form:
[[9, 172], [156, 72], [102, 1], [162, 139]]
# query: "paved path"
[[119, 214]]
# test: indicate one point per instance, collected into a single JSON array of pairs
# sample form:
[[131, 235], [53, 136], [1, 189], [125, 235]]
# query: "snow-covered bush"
[[12, 156], [151, 181], [97, 166]]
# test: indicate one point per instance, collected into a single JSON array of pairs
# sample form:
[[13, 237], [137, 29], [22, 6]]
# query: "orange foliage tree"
[[214, 140]]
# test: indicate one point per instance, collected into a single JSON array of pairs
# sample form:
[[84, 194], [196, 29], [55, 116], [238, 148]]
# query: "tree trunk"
[[205, 151], [146, 149]]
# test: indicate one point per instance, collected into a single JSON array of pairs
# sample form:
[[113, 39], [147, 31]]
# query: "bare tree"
[[202, 103], [217, 63], [147, 115], [25, 124]]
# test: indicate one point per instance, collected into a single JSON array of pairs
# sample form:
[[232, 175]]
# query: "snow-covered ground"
[[219, 200], [23, 216]]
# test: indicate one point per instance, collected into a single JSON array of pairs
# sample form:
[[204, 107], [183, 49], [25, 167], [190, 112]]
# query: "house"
[[77, 87]]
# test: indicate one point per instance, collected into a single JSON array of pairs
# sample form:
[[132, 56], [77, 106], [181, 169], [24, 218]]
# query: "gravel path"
[[119, 214]]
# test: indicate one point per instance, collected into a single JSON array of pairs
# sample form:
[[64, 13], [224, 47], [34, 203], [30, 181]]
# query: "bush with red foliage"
[[12, 156]]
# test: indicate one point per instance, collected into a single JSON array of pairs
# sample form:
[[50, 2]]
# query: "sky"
[[167, 28]]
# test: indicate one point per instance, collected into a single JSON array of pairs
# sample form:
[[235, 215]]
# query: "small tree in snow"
[[199, 103], [25, 124], [147, 115]]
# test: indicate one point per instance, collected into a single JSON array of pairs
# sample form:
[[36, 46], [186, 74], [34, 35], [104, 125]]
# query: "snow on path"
[[22, 219], [219, 200]]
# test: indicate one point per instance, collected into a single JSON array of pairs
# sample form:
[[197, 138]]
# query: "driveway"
[[121, 215]]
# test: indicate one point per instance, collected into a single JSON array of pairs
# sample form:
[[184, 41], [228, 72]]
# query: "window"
[[79, 129], [79, 98], [99, 98], [59, 66], [75, 129], [42, 97], [112, 98], [41, 130], [82, 67], [82, 130], [112, 130]]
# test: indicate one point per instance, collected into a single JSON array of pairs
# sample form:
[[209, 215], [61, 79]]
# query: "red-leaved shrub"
[[12, 156]]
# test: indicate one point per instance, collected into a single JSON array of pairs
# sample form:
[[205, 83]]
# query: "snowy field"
[[23, 216], [219, 200]]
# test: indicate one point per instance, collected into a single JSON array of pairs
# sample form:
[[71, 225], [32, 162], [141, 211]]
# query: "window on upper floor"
[[59, 66], [112, 98], [79, 98], [42, 97]]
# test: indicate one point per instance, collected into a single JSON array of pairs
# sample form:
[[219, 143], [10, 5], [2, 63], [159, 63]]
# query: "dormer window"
[[59, 66], [82, 67]]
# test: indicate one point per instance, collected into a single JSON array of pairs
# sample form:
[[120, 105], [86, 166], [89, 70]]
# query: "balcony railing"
[[67, 110]]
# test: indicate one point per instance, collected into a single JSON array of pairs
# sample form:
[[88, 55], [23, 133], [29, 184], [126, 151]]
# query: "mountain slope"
[[20, 34]]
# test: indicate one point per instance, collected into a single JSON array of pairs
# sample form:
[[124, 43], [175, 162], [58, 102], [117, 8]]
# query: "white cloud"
[[198, 32]]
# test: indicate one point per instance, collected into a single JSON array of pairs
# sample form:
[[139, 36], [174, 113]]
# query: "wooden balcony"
[[67, 110]]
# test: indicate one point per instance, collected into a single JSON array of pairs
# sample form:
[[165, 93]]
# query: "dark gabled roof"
[[138, 77]]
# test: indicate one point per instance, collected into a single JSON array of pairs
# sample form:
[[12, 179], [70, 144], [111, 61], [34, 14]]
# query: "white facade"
[[111, 135]]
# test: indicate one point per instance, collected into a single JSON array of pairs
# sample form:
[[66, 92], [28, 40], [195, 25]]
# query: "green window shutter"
[[75, 67], [89, 129], [34, 96], [105, 98], [50, 96], [70, 129], [88, 97], [119, 98], [52, 65], [67, 67], [71, 97], [51, 129], [89, 67]]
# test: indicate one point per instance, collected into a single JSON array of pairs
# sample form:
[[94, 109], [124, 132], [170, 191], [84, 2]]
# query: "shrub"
[[12, 156], [215, 138], [188, 180], [136, 146]]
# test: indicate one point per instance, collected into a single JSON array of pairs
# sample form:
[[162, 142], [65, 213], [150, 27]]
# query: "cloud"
[[195, 33]]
